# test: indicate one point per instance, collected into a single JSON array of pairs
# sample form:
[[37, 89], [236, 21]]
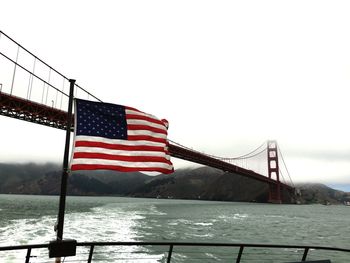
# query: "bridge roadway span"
[[19, 108]]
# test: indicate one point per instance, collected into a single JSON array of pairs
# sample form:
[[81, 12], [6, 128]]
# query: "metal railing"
[[170, 250]]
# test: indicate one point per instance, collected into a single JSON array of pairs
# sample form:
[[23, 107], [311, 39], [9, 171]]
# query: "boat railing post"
[[305, 254], [28, 255], [240, 254], [170, 253], [90, 253]]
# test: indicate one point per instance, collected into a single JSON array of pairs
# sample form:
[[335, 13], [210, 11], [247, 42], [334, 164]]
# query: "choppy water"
[[31, 219]]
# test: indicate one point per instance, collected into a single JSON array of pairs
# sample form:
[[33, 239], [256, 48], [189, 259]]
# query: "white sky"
[[228, 75]]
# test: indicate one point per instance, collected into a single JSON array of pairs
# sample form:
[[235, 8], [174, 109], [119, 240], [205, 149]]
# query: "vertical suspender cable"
[[56, 98], [47, 90], [62, 93], [14, 70], [42, 95], [30, 77], [30, 85]]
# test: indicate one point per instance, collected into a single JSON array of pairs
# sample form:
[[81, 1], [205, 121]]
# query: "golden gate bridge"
[[32, 90]]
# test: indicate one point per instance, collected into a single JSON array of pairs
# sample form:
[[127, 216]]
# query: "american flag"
[[121, 138]]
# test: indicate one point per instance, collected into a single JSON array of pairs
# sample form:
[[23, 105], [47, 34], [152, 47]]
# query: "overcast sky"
[[227, 75]]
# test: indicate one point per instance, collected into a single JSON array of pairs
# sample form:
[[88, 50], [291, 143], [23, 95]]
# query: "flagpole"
[[64, 179]]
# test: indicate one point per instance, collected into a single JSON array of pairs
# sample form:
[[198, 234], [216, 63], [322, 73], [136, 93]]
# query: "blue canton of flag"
[[101, 119]]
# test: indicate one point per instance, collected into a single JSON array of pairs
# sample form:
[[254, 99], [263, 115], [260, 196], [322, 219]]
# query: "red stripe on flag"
[[119, 146], [76, 167], [104, 156]]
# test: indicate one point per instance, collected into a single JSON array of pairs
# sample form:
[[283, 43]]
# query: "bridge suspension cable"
[[250, 154], [247, 161], [8, 43], [257, 165], [245, 156], [285, 166]]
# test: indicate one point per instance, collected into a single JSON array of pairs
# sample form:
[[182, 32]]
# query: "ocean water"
[[31, 219]]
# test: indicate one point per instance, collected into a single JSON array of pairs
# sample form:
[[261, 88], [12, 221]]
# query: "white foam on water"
[[274, 216], [152, 210], [102, 224], [23, 232], [203, 224], [28, 231], [107, 223], [183, 221], [240, 216], [235, 216], [210, 255], [201, 235], [179, 257]]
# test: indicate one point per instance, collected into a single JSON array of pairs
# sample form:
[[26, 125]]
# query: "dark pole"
[[65, 165]]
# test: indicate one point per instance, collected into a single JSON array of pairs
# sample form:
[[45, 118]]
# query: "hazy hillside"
[[183, 184], [201, 183], [235, 187], [50, 184], [46, 180], [322, 194], [207, 184], [12, 175], [121, 183]]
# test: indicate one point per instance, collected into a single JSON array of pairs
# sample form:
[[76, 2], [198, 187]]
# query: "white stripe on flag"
[[148, 133], [118, 141], [146, 123], [119, 152], [121, 163]]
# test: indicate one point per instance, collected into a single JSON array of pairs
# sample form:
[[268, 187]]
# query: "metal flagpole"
[[63, 194], [63, 248]]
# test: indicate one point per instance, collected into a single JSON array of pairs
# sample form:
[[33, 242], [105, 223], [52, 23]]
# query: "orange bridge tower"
[[273, 172]]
